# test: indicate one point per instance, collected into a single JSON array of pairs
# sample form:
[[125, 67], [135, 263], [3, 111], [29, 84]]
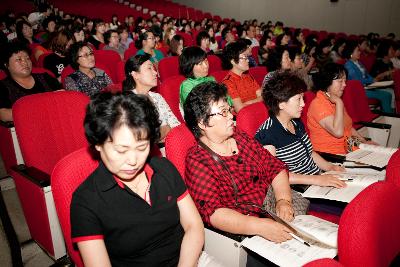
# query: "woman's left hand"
[[284, 210]]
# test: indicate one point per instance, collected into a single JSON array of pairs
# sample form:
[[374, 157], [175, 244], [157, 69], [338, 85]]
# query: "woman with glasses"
[[146, 44], [242, 87], [228, 172], [86, 78], [331, 128], [20, 81]]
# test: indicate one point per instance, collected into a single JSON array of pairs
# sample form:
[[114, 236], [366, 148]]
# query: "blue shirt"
[[295, 150]]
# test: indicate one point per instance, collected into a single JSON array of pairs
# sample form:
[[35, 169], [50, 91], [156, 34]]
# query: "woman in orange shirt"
[[329, 124]]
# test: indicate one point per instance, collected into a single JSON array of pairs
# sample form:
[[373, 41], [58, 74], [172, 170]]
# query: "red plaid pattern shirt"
[[253, 168]]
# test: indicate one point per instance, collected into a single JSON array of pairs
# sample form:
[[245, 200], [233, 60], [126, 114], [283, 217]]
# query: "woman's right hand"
[[274, 231], [329, 180], [334, 98]]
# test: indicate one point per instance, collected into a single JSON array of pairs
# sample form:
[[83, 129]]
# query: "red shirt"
[[243, 87], [253, 168]]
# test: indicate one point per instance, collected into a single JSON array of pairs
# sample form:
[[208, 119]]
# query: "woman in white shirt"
[[141, 77]]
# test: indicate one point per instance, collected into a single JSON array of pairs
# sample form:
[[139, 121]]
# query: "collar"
[[107, 180], [275, 120]]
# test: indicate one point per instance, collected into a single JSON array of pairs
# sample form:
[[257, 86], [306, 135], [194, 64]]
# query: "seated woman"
[[193, 64], [337, 51], [86, 78], [20, 81], [176, 46], [97, 37], [146, 43], [228, 172], [111, 37], [357, 71], [331, 128], [140, 78], [285, 136], [132, 210], [59, 43], [25, 36], [383, 69], [242, 87], [203, 41]]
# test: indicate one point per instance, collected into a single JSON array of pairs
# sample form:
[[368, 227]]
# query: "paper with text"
[[372, 155]]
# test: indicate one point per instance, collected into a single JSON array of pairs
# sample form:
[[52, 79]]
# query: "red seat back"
[[369, 227], [169, 89], [250, 118], [110, 59], [67, 175], [168, 67], [219, 75], [187, 39], [368, 61], [396, 79], [258, 73], [40, 61], [215, 63], [254, 53], [177, 143], [393, 169], [308, 97], [54, 121], [130, 52], [356, 102]]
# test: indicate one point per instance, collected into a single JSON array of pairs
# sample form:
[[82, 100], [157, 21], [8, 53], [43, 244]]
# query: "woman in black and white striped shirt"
[[284, 135]]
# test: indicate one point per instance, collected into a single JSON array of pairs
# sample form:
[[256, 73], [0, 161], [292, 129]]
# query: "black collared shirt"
[[135, 233]]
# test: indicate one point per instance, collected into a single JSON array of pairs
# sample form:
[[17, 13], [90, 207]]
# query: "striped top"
[[295, 150]]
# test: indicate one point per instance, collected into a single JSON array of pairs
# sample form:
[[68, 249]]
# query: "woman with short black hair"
[[133, 210], [285, 136], [146, 44]]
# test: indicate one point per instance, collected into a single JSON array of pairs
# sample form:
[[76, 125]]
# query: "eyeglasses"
[[150, 38], [224, 112], [87, 55], [244, 57]]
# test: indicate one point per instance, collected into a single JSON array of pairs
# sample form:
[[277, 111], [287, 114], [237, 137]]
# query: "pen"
[[299, 239], [346, 179]]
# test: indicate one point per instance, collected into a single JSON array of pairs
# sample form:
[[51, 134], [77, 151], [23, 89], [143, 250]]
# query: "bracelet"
[[283, 199]]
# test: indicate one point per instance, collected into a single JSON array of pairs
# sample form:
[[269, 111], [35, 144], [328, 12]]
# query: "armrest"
[[33, 174], [375, 125], [387, 114], [7, 124], [332, 157]]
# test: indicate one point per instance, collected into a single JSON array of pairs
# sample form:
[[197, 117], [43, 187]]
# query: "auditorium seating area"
[[46, 138]]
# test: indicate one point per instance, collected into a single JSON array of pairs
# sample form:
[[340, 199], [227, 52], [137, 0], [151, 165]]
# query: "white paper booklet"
[[356, 182], [294, 253], [377, 156], [382, 84]]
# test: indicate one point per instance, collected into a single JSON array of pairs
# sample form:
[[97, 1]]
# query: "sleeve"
[[107, 79], [180, 189], [351, 72], [272, 165], [184, 91], [70, 84], [263, 135], [52, 82], [232, 89], [4, 97], [85, 225], [203, 187], [166, 112]]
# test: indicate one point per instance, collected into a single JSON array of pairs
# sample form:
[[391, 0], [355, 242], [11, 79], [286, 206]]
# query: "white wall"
[[350, 16]]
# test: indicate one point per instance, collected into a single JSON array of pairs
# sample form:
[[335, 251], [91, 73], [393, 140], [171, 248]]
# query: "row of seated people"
[[153, 74]]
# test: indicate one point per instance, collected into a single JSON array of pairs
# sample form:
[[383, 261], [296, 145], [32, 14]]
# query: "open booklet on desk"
[[355, 183], [372, 155], [320, 234]]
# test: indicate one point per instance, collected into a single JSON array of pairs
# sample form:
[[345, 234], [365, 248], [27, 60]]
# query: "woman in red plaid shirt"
[[228, 172]]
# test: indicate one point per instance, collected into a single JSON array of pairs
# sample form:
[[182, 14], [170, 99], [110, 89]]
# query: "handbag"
[[300, 203]]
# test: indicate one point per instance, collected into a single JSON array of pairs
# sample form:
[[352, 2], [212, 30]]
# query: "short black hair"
[[190, 57], [200, 36], [142, 37], [349, 49], [74, 53], [280, 88], [383, 48], [232, 52], [10, 49], [328, 73], [106, 112], [107, 35], [198, 104], [133, 64]]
